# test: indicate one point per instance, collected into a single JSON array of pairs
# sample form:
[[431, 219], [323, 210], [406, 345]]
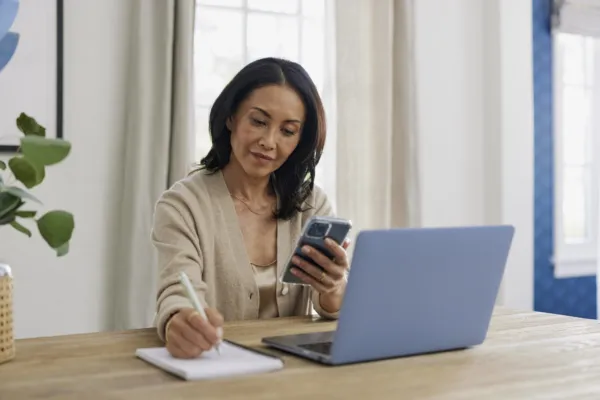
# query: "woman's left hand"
[[331, 279]]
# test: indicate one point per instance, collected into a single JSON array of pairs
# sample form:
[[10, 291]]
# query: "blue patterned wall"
[[573, 296]]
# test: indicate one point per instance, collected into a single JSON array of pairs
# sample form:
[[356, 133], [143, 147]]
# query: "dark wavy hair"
[[294, 180]]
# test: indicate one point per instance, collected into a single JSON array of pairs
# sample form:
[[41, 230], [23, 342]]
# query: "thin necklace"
[[265, 265], [247, 205]]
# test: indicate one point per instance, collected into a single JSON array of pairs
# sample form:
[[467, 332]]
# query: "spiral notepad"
[[234, 360]]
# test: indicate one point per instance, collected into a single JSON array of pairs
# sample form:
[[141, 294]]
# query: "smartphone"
[[316, 230]]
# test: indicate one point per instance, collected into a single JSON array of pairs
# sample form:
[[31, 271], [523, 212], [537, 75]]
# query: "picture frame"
[[32, 79]]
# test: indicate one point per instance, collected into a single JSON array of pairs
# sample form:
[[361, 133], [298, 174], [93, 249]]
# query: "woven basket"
[[7, 342]]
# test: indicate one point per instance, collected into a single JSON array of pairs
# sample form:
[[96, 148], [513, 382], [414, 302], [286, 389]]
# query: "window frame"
[[574, 259]]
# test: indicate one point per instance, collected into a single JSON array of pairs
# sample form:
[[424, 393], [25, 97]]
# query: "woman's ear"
[[229, 124]]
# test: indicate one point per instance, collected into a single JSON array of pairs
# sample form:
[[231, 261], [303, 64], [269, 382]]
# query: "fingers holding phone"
[[320, 258], [325, 274]]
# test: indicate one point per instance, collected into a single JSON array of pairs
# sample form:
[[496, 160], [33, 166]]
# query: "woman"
[[232, 224]]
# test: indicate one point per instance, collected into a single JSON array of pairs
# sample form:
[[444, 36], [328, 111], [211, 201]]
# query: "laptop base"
[[314, 346]]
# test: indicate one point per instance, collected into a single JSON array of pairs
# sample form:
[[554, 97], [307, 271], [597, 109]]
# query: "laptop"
[[412, 291]]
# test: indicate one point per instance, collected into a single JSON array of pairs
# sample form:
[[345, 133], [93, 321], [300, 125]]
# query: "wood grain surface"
[[527, 355]]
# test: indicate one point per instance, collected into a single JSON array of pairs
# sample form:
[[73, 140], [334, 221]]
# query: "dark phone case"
[[338, 232]]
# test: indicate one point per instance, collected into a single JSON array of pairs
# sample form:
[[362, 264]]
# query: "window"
[[231, 33], [576, 151]]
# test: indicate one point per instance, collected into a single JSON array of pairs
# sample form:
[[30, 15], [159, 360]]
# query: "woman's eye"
[[288, 132], [258, 122]]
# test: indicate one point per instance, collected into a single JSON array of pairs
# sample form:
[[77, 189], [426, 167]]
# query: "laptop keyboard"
[[321, 347]]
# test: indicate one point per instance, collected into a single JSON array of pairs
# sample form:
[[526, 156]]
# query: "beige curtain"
[[377, 185], [158, 146]]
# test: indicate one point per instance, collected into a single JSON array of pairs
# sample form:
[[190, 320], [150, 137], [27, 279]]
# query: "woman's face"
[[266, 129]]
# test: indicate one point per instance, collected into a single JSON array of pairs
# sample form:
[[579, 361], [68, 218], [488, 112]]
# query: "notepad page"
[[233, 361]]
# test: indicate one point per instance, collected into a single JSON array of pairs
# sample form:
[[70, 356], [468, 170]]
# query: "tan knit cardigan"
[[196, 230]]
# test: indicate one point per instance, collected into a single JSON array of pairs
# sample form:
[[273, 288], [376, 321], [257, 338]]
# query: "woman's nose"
[[268, 139]]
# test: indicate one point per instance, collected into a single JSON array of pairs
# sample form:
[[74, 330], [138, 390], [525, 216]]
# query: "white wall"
[[68, 295], [474, 84], [449, 90]]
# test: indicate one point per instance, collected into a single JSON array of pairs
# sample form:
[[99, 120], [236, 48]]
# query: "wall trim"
[[574, 267], [508, 27]]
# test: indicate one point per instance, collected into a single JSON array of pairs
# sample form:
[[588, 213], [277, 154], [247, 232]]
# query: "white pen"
[[191, 294]]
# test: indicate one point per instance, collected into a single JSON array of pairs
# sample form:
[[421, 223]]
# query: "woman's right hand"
[[188, 334]]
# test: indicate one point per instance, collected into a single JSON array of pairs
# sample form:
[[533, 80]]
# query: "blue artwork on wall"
[[31, 67], [8, 40], [570, 296]]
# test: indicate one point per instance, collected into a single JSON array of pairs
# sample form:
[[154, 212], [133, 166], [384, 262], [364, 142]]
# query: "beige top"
[[266, 280], [196, 230]]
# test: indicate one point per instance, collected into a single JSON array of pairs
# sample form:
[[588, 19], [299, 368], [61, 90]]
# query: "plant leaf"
[[26, 214], [24, 171], [29, 126], [40, 170], [17, 191], [43, 151], [20, 228], [2, 165], [62, 250], [8, 204], [56, 227], [7, 220]]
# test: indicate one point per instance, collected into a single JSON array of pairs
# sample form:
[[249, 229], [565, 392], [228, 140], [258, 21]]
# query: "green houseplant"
[[26, 170]]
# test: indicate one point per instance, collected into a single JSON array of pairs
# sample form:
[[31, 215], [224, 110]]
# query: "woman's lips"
[[262, 157]]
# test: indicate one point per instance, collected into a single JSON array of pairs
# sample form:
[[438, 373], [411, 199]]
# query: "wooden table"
[[526, 356]]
